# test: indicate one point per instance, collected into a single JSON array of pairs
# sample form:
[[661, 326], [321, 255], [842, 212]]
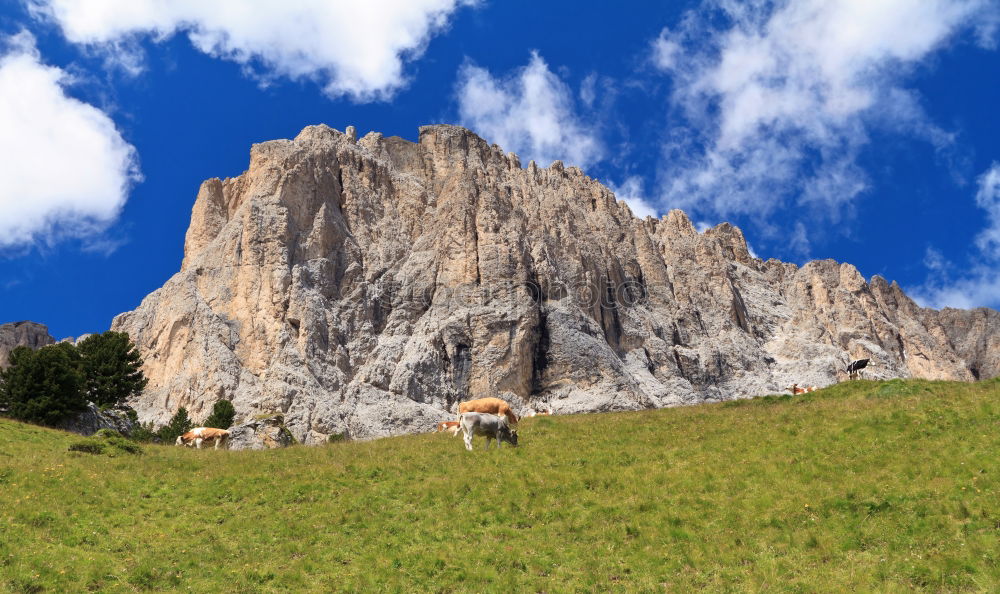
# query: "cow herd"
[[491, 418]]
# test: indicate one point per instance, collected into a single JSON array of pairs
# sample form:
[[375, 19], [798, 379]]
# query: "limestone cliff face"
[[363, 286], [975, 336], [15, 334]]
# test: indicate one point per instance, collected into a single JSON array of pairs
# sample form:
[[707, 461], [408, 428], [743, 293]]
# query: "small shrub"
[[123, 444], [335, 437], [107, 441], [144, 433], [88, 446]]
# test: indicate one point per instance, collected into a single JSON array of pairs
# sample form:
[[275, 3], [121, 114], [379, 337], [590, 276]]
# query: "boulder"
[[260, 434], [93, 419]]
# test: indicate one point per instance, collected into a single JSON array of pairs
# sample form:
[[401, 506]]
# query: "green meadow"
[[864, 486]]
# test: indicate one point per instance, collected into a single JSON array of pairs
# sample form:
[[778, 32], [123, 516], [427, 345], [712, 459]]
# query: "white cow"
[[491, 426]]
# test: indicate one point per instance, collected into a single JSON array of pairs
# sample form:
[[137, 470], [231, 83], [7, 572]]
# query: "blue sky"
[[860, 131]]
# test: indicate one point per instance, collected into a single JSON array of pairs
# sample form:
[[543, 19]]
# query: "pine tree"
[[43, 386], [112, 368], [179, 424], [222, 415]]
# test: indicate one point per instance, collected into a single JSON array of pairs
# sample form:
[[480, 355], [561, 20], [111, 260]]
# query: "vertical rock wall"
[[362, 287]]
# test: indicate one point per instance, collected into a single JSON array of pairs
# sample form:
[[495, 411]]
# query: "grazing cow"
[[453, 426], [797, 390], [200, 435], [854, 369], [492, 426], [493, 406]]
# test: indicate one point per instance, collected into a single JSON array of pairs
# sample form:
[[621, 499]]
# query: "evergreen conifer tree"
[[43, 386], [222, 415], [112, 368], [179, 424]]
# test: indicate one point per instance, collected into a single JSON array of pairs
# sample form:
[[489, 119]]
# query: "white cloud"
[[349, 48], [778, 104], [631, 191], [988, 199], [65, 169], [934, 260], [530, 113], [798, 240], [588, 89], [665, 51], [987, 29], [979, 286]]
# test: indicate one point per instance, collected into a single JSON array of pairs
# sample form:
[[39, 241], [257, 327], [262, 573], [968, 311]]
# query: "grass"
[[886, 486]]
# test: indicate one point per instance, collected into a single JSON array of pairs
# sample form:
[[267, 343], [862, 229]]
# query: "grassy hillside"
[[863, 486]]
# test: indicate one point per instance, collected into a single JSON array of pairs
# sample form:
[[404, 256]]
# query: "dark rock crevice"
[[540, 356]]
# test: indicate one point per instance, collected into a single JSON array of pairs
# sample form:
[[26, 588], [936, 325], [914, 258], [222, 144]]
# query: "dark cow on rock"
[[490, 426]]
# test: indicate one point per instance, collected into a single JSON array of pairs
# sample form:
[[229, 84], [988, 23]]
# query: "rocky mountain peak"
[[363, 286], [24, 333]]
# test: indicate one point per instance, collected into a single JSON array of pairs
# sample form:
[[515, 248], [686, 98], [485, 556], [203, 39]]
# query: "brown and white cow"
[[453, 426], [200, 435], [797, 390], [493, 406]]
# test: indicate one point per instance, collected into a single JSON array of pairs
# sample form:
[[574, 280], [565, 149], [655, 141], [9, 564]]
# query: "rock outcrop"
[[362, 287], [15, 334], [266, 433], [93, 419]]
